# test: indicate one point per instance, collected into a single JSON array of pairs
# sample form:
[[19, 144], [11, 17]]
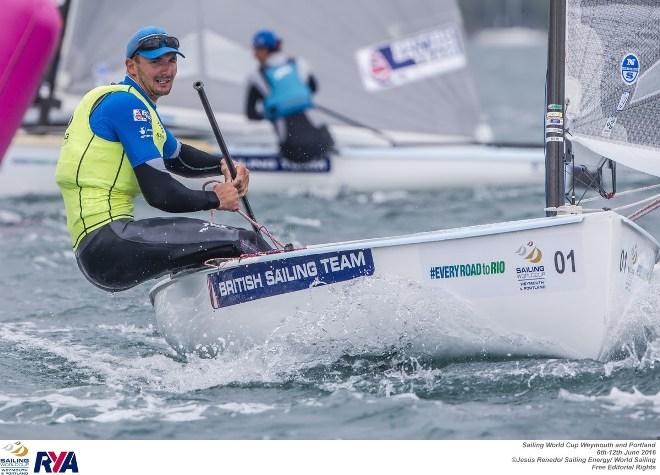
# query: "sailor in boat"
[[281, 91], [115, 148]]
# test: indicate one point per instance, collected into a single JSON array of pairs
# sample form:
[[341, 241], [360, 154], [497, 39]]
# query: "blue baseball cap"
[[265, 39], [167, 44]]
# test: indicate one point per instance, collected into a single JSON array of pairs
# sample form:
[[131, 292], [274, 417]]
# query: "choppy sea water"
[[80, 363]]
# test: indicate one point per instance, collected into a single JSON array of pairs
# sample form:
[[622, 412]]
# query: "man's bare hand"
[[242, 179], [228, 196]]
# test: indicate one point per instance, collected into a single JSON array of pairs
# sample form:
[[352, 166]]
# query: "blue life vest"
[[288, 94]]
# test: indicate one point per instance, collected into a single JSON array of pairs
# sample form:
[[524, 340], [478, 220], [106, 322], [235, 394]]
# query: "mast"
[[555, 113], [50, 101]]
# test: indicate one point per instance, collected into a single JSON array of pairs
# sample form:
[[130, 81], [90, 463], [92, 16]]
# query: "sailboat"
[[29, 35], [398, 78], [559, 285]]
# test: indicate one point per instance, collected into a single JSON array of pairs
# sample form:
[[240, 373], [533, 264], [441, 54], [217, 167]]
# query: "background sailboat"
[[422, 95], [555, 286], [216, 38]]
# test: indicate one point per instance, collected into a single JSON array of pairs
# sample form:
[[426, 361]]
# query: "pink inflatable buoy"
[[29, 31]]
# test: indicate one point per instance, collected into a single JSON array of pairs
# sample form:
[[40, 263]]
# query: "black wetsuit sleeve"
[[165, 193], [254, 96], [312, 84], [192, 162]]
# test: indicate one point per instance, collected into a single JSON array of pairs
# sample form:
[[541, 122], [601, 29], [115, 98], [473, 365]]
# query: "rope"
[[623, 193], [652, 206], [646, 209], [572, 209], [636, 203], [262, 229], [209, 182], [279, 247], [588, 185]]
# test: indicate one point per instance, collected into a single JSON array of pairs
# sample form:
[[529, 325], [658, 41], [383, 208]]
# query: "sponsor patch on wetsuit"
[[141, 115], [145, 132], [266, 279]]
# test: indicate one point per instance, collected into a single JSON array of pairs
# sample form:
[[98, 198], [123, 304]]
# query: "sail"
[[29, 31], [390, 64], [613, 79]]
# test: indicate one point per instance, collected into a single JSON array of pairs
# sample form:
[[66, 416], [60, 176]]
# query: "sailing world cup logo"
[[630, 68], [14, 459], [530, 252], [531, 275], [17, 449]]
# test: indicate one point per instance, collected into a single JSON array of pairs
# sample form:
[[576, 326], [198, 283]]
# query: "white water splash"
[[81, 404], [112, 380], [246, 408], [637, 334], [303, 222], [375, 316], [9, 217], [380, 197], [617, 400]]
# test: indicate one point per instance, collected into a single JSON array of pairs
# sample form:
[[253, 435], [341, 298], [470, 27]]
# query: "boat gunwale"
[[401, 240]]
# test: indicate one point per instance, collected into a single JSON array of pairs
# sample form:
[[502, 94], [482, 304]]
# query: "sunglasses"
[[153, 42]]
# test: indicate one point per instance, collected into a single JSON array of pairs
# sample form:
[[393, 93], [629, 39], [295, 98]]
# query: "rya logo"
[[56, 463]]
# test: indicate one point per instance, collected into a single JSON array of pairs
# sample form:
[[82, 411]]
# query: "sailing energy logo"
[[530, 277]]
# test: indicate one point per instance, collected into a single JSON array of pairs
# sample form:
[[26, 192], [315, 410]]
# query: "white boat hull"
[[429, 168], [551, 286], [29, 167]]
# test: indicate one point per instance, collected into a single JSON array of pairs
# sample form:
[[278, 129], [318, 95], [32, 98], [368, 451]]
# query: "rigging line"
[[587, 187], [263, 229], [634, 216], [592, 181], [630, 205], [256, 226], [653, 205], [558, 209], [623, 193], [645, 210]]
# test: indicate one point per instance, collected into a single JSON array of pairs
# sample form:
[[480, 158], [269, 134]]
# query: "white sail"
[[421, 40], [613, 80]]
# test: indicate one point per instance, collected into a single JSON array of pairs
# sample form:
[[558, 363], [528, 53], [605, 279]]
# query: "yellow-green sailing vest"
[[94, 175]]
